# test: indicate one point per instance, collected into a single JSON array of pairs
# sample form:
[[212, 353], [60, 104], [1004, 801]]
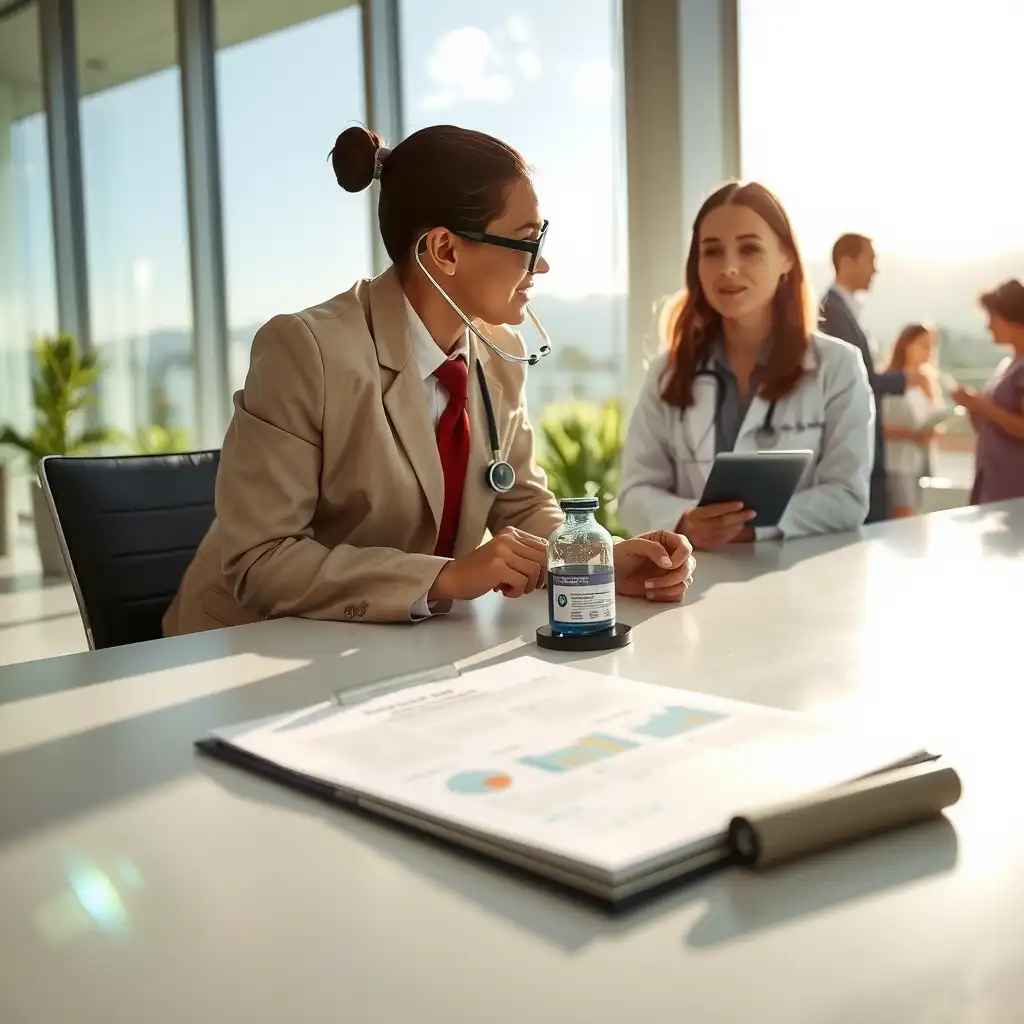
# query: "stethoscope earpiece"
[[529, 360]]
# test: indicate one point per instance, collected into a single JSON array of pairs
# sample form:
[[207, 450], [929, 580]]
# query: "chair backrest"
[[128, 527]]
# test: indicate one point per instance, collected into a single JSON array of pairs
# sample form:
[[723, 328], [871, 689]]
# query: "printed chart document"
[[603, 783]]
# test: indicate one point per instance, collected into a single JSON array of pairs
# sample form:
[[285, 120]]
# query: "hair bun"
[[354, 158]]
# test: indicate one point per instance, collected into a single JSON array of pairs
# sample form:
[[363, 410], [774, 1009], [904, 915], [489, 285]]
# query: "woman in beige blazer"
[[352, 481]]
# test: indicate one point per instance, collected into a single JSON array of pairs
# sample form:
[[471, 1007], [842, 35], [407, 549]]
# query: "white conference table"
[[140, 881]]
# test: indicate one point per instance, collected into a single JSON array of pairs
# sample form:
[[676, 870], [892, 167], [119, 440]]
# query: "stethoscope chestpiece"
[[501, 477]]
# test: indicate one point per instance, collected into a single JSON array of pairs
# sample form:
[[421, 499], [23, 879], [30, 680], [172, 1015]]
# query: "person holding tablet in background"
[[379, 433], [746, 371], [911, 418], [997, 411]]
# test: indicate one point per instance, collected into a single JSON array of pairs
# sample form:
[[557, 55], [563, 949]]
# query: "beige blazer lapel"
[[477, 496], [404, 397]]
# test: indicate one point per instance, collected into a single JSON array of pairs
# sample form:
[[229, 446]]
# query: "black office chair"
[[128, 527]]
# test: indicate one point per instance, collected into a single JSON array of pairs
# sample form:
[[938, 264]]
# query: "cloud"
[[593, 82], [529, 64], [468, 66], [518, 30], [464, 67]]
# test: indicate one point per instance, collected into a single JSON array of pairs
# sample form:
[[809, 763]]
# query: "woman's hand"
[[714, 526], [513, 562], [657, 565], [965, 396]]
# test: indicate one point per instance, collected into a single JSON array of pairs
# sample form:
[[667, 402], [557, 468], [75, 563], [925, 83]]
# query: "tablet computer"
[[763, 481], [936, 418]]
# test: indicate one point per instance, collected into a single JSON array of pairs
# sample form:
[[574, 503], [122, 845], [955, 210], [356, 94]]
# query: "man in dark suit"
[[853, 257]]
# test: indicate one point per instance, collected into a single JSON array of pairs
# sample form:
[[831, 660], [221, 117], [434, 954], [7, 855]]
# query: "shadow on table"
[[1000, 529], [743, 563], [736, 902], [338, 652], [36, 620], [319, 642], [52, 782], [28, 581], [745, 903], [1005, 532]]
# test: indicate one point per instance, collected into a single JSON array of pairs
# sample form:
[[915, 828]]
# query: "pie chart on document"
[[479, 782]]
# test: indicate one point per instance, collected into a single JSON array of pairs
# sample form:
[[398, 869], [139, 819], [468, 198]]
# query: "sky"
[[292, 237], [897, 119]]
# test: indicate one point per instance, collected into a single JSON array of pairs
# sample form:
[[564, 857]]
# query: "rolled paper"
[[826, 818]]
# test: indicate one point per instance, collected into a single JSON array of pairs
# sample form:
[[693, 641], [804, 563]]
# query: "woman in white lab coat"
[[912, 419], [745, 370]]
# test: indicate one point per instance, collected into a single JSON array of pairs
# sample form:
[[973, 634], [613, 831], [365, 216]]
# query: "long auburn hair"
[[898, 359], [690, 324]]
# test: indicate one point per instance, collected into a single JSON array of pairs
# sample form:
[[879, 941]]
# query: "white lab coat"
[[831, 411]]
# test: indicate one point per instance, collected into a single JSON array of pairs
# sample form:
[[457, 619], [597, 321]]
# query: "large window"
[[135, 213], [292, 237], [27, 290], [546, 78], [899, 121]]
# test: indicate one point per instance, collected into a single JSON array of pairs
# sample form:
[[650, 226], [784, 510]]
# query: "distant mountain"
[[589, 334]]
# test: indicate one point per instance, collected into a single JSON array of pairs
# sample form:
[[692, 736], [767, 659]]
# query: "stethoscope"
[[766, 435], [499, 474]]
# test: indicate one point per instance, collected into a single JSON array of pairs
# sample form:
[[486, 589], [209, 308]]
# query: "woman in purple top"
[[997, 412]]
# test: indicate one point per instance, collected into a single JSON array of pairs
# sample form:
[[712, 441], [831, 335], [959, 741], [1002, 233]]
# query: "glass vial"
[[581, 572]]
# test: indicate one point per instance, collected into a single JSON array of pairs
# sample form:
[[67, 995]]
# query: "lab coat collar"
[[809, 363], [719, 358]]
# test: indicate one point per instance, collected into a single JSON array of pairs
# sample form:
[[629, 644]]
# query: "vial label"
[[582, 598]]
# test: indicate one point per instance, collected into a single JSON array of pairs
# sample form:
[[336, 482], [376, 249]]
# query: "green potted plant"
[[62, 382], [156, 439], [160, 437], [582, 442], [6, 505]]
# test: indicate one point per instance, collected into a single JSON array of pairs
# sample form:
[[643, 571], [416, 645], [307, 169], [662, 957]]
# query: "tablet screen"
[[764, 481]]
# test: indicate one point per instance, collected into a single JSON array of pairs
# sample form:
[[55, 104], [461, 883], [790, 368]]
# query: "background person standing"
[[853, 257]]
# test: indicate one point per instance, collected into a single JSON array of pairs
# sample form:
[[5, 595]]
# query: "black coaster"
[[620, 635]]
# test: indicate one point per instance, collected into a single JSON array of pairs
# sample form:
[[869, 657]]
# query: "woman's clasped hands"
[[657, 565]]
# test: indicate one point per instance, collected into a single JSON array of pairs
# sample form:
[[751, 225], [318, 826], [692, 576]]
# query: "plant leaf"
[[582, 442]]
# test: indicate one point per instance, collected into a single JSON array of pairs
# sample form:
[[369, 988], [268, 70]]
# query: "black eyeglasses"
[[532, 246]]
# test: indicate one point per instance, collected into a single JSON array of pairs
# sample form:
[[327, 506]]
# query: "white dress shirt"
[[857, 312], [913, 410], [851, 302], [429, 357]]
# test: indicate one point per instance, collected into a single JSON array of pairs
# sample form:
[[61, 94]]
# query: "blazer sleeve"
[[268, 488], [529, 506], [839, 323], [648, 482], [893, 382], [838, 498]]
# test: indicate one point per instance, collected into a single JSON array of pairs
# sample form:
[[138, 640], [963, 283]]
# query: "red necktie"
[[453, 447]]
